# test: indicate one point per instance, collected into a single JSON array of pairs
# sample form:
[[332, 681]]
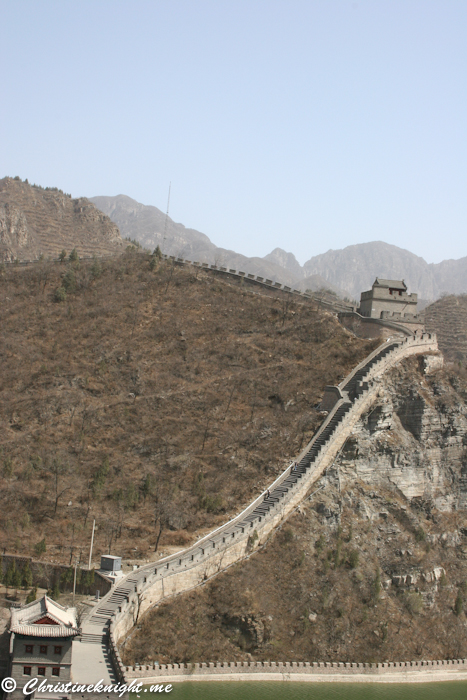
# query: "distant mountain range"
[[148, 226], [348, 271], [38, 221]]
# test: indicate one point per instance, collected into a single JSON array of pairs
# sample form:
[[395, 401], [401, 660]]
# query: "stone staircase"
[[89, 638], [354, 383]]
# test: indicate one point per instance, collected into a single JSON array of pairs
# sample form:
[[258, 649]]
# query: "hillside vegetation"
[[155, 399], [447, 317]]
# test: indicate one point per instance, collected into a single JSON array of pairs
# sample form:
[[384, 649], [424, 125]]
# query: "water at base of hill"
[[293, 690]]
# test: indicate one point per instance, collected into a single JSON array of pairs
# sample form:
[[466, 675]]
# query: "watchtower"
[[389, 299]]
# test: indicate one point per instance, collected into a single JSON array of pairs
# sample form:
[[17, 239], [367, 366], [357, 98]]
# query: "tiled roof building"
[[41, 635]]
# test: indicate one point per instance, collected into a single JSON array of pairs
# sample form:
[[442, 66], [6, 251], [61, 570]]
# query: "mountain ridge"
[[348, 271], [37, 221]]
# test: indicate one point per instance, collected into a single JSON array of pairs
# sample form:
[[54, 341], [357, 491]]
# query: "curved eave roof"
[[55, 631], [393, 284]]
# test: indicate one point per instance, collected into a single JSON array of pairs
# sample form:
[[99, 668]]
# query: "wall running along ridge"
[[337, 306], [343, 309], [143, 589]]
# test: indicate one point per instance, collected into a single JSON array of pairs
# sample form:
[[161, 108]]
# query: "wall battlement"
[[276, 670]]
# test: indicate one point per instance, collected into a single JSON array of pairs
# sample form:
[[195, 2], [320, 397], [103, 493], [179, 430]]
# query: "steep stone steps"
[[89, 638]]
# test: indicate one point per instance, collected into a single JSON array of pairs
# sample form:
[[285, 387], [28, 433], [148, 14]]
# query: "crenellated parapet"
[[317, 671]]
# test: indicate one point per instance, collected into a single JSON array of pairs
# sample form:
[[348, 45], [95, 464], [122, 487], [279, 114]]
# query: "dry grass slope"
[[152, 396]]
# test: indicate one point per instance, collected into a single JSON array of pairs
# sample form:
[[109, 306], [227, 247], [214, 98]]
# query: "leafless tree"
[[170, 276], [253, 403], [58, 470], [230, 399], [205, 432], [80, 613], [162, 503], [110, 528]]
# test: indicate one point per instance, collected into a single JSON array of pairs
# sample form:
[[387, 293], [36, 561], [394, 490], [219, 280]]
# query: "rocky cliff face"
[[286, 260], [413, 440], [13, 227], [36, 221]]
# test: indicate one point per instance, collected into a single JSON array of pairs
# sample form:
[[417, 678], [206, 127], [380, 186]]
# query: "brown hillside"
[[149, 389], [447, 317], [349, 576], [310, 595], [36, 221]]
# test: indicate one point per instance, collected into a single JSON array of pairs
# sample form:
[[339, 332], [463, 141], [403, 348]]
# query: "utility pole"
[[74, 582], [92, 542], [167, 212]]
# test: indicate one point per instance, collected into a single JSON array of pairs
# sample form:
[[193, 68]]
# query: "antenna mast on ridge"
[[167, 212]]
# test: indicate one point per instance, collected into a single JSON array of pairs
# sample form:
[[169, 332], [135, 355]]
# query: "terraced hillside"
[[36, 221], [157, 399], [447, 317]]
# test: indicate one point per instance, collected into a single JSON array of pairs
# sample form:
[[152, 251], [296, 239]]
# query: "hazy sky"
[[307, 125]]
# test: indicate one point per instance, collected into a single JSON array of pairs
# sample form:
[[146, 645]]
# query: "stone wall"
[[379, 301], [365, 327], [405, 670], [46, 575], [233, 541], [48, 659]]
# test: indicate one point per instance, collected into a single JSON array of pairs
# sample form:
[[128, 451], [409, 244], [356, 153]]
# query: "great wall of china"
[[336, 305], [397, 672], [347, 312], [114, 616], [111, 620]]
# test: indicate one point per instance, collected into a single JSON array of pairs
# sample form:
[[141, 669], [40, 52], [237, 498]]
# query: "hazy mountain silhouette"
[[349, 270]]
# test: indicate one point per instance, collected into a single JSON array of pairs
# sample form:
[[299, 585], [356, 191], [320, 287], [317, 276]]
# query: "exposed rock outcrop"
[[250, 630], [36, 221], [13, 227], [413, 440]]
